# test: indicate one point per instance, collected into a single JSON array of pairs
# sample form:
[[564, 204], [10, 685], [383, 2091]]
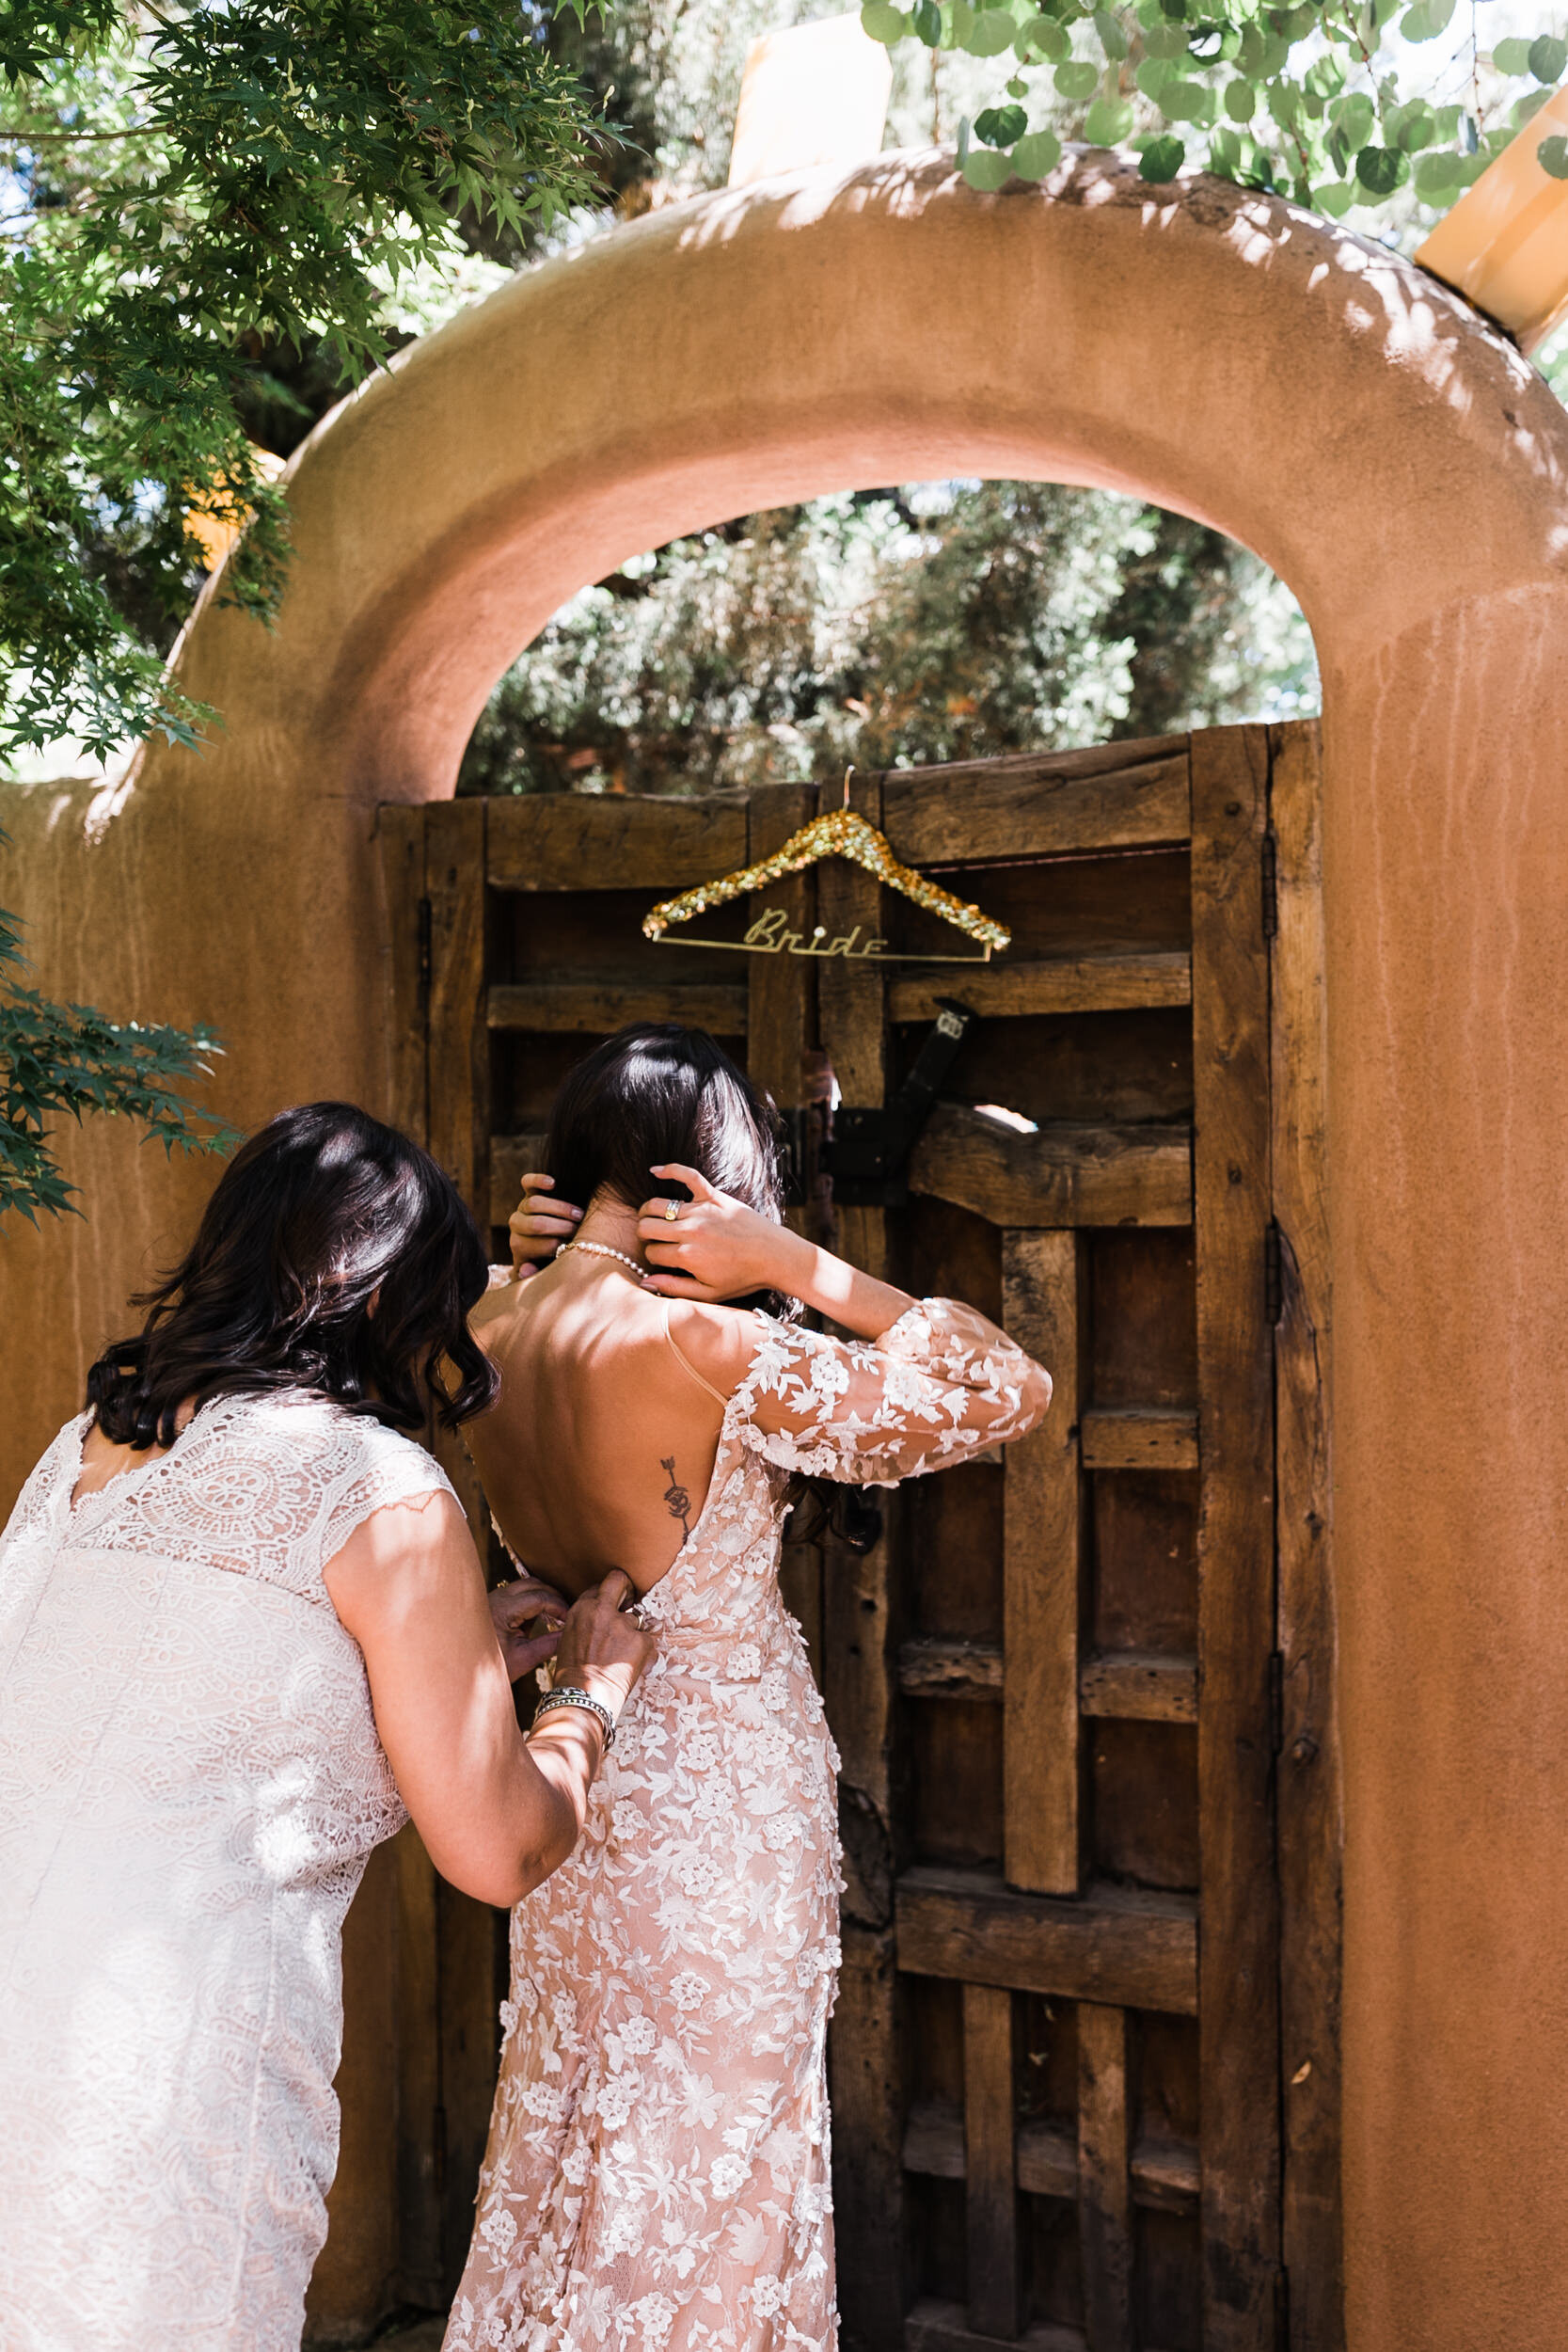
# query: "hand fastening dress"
[[190, 1784], [657, 2173]]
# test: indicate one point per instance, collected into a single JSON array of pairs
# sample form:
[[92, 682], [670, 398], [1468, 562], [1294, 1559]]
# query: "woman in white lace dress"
[[658, 2172], [199, 1578]]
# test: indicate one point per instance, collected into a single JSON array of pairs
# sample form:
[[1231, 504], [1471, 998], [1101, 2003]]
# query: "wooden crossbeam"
[[1044, 1566], [578, 841], [1164, 2172], [1143, 1437], [1059, 1175], [991, 2161], [929, 1668], [1054, 984], [1139, 1686], [1104, 2178], [1038, 806], [1123, 1945], [598, 1007]]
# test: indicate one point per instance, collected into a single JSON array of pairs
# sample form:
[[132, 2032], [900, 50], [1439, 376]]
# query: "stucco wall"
[[1401, 468]]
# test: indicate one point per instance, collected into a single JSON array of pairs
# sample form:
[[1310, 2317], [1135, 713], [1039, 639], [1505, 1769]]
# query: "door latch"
[[866, 1151]]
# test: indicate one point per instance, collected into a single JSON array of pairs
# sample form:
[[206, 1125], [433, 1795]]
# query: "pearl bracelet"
[[569, 1695]]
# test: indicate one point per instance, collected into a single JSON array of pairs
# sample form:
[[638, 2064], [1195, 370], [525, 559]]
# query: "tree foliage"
[[1336, 102], [193, 198], [948, 622]]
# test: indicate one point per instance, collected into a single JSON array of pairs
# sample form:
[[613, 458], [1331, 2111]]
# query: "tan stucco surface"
[[1401, 468]]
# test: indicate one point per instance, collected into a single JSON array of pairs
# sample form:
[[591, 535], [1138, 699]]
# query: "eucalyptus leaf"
[[1043, 37], [1511, 57], [985, 170], [1161, 159], [1547, 57], [1037, 154], [883, 21], [1526, 109], [1552, 156], [992, 31], [999, 126], [1187, 101], [1241, 101], [1150, 74], [1334, 197], [1437, 175], [926, 19], [1382, 170], [1077, 79], [1112, 39], [1108, 121]]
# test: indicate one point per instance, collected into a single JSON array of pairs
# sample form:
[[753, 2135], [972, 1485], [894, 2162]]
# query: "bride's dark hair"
[[656, 1092], [335, 1256]]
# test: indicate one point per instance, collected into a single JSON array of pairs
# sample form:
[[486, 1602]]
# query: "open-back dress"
[[658, 2177]]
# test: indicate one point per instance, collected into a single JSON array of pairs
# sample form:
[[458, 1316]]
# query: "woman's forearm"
[[566, 1751], [856, 1302]]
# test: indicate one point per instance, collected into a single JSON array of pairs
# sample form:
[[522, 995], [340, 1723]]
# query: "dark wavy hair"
[[656, 1092], [334, 1256]]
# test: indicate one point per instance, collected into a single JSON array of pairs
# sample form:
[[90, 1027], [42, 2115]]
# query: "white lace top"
[[190, 1784]]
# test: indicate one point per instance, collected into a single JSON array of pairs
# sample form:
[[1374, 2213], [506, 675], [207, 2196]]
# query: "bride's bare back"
[[600, 1450]]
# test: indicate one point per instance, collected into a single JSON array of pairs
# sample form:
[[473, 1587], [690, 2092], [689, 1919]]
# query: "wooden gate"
[[1084, 2060]]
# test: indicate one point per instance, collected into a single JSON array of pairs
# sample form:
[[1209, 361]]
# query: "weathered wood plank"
[[1035, 808], [1239, 2053], [1044, 1566], [1164, 2172], [1132, 1949], [991, 2162], [1140, 1686], [511, 1157], [929, 1668], [420, 2270], [576, 841], [1309, 1798], [780, 1027], [859, 1683], [864, 2077], [934, 2327], [1144, 1436], [459, 1064], [598, 1007], [1059, 1175], [1104, 2178], [400, 839], [470, 2056], [1108, 983]]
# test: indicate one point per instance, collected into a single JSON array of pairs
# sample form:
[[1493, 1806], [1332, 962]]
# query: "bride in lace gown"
[[241, 1625], [657, 2175]]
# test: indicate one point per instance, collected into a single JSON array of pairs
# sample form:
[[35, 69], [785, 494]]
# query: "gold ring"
[[672, 1210]]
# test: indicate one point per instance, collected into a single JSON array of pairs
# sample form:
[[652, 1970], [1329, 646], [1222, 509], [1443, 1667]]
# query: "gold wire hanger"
[[838, 833]]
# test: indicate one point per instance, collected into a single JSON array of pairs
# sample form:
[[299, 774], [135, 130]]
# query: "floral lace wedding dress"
[[190, 1783], [658, 2172]]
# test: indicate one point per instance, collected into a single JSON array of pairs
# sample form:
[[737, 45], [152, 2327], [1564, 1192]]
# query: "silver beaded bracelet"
[[569, 1695]]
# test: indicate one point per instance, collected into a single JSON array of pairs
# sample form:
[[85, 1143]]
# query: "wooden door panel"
[[1053, 1681]]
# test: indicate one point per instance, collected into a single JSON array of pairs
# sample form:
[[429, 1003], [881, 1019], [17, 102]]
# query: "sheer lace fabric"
[[657, 2175], [190, 1784]]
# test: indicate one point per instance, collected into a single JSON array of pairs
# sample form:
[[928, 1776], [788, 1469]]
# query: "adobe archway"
[[1401, 468]]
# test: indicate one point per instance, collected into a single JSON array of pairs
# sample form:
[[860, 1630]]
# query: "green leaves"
[[1161, 159], [1547, 57], [883, 21], [1037, 154], [1108, 121], [1077, 79], [999, 126], [1552, 156], [1382, 170], [992, 31]]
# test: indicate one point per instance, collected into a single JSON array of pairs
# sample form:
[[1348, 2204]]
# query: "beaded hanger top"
[[838, 833]]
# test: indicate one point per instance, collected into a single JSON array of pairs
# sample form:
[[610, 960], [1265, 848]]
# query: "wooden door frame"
[[1260, 1218]]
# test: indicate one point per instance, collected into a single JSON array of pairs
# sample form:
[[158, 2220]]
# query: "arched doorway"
[[1214, 351]]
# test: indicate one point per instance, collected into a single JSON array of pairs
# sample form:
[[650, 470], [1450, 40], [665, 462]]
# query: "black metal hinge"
[[866, 1150], [426, 928], [1271, 886]]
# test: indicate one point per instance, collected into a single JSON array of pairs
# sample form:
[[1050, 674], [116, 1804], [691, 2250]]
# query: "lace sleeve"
[[377, 1467], [942, 1383]]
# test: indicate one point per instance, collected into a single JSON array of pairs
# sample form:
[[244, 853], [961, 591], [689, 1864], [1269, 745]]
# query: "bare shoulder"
[[718, 1342], [495, 1311]]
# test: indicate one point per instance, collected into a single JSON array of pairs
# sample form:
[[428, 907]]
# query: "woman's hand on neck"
[[613, 1224]]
